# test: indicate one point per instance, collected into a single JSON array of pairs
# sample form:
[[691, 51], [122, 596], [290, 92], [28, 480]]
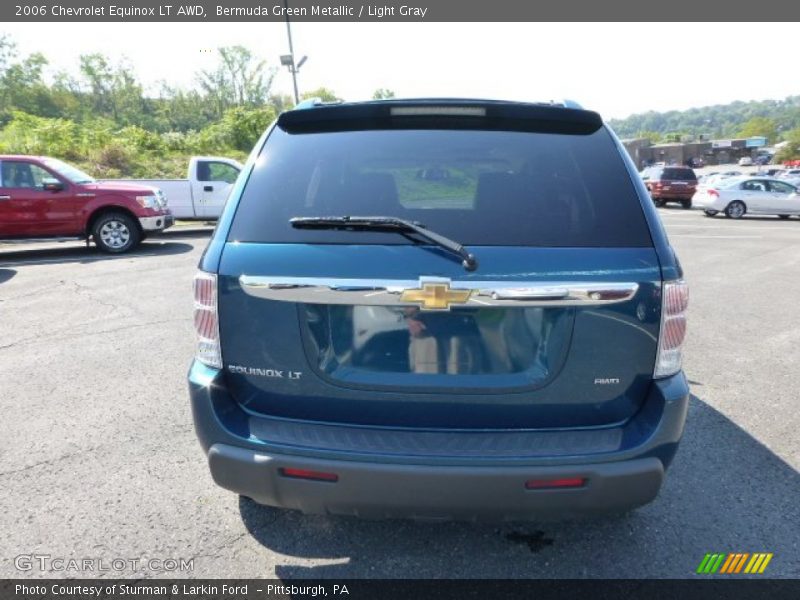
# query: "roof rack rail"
[[314, 102], [309, 103]]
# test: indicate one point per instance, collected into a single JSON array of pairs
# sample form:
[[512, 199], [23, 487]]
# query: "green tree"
[[653, 136], [243, 126], [65, 94], [238, 80], [759, 126], [100, 119], [724, 120], [97, 79], [382, 94], [127, 98], [22, 86], [790, 151], [182, 110], [8, 50], [674, 136], [323, 93], [281, 102], [28, 134], [112, 91]]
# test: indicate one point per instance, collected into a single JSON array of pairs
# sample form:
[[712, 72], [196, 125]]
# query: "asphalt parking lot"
[[98, 458]]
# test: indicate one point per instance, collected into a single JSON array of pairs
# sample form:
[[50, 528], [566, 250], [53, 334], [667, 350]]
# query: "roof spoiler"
[[565, 118]]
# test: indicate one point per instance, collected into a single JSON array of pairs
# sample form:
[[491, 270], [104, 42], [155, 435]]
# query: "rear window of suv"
[[674, 174], [480, 187]]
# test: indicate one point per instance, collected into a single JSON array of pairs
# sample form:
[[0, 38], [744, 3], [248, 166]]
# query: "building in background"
[[711, 152]]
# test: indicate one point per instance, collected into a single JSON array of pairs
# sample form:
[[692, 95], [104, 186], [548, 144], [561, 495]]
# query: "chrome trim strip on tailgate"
[[435, 293]]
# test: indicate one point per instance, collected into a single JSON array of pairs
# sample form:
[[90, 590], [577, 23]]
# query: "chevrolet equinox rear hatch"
[[345, 294]]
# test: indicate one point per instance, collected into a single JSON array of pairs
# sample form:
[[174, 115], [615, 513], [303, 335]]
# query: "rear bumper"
[[397, 473], [706, 204], [672, 195], [431, 492]]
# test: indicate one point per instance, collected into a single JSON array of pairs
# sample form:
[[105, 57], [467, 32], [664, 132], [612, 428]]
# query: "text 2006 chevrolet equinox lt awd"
[[440, 309]]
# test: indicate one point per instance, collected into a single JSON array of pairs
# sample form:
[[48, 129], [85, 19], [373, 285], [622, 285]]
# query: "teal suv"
[[449, 309]]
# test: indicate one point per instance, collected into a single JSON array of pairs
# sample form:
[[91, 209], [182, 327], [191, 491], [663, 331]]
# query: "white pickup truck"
[[203, 193]]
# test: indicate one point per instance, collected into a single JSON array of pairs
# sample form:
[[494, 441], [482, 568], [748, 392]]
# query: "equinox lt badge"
[[274, 373]]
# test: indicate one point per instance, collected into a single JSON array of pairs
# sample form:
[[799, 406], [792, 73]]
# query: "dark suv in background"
[[440, 309], [670, 184]]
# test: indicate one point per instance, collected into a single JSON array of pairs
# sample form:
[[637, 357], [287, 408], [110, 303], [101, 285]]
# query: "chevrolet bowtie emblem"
[[435, 296]]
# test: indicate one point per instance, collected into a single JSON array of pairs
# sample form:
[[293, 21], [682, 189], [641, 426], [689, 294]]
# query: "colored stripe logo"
[[734, 563]]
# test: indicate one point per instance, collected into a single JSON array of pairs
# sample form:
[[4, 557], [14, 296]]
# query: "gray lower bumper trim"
[[156, 223], [434, 492]]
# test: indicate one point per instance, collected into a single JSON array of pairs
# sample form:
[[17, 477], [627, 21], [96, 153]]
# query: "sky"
[[616, 69]]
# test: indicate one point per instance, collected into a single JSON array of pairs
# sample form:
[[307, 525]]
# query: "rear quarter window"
[[479, 187], [781, 187], [679, 174]]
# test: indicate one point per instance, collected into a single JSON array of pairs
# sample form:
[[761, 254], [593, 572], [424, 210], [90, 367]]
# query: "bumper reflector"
[[549, 484], [306, 474]]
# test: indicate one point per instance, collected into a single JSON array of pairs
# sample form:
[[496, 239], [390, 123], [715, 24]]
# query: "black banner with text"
[[358, 589], [393, 10]]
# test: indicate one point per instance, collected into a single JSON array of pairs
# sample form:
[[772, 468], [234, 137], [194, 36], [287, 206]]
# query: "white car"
[[716, 177], [738, 196], [745, 161], [795, 181]]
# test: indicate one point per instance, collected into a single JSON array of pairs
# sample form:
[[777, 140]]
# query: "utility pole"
[[291, 66]]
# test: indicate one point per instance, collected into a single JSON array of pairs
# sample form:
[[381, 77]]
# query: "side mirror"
[[52, 185]]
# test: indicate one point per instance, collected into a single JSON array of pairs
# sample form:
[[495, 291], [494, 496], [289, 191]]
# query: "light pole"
[[287, 60]]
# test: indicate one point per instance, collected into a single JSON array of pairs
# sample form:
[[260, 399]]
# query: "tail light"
[[554, 484], [306, 474], [675, 301], [205, 320], [713, 193]]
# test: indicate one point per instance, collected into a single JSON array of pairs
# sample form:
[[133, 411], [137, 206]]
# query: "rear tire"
[[660, 203], [686, 203], [710, 213], [116, 232], [735, 210], [784, 216]]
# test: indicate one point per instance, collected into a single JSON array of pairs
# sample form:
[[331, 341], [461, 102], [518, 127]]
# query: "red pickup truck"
[[45, 198]]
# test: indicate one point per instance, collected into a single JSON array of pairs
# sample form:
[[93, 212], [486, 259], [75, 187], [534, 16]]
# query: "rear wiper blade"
[[468, 260]]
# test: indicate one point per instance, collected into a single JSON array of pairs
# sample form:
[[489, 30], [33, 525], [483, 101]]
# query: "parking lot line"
[[45, 261], [721, 237], [729, 228]]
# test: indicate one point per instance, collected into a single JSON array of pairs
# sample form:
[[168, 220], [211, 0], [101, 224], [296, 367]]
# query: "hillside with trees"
[[777, 120], [101, 119]]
